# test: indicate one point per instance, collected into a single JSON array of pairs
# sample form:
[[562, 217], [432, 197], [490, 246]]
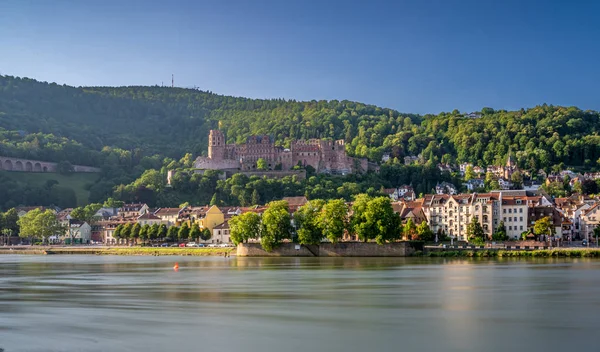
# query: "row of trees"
[[133, 232], [372, 219]]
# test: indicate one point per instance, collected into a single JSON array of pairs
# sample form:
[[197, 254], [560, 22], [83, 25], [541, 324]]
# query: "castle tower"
[[216, 145]]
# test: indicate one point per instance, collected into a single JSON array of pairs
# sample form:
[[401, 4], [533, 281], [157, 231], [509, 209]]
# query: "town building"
[[221, 234], [475, 184], [168, 216], [134, 209], [79, 231], [149, 219], [590, 219], [445, 188]]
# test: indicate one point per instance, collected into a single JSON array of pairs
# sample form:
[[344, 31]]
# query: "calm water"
[[97, 303]]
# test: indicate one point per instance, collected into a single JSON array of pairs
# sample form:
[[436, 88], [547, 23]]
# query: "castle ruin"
[[324, 156]]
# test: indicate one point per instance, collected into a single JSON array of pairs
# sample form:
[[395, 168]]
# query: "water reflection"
[[89, 303]]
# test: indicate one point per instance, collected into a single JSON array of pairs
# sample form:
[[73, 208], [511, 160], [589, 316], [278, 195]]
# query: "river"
[[106, 303]]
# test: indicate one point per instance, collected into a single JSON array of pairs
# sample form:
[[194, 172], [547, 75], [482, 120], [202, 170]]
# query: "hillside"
[[173, 121], [127, 130]]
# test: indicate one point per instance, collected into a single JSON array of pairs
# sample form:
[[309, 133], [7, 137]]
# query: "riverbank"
[[153, 251], [502, 253]]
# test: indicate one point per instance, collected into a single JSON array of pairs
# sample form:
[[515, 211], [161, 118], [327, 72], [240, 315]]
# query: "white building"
[[221, 233]]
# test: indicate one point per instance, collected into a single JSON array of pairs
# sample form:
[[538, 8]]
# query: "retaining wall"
[[342, 249]]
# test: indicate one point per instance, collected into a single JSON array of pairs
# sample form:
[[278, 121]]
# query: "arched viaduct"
[[26, 165]]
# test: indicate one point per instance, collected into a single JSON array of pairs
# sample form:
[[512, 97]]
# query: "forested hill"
[[173, 121]]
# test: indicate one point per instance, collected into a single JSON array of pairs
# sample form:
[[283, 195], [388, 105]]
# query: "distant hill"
[[173, 121]]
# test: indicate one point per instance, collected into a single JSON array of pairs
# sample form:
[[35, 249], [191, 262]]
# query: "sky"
[[413, 56]]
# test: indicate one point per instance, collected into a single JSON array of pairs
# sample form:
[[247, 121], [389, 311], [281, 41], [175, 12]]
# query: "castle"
[[324, 156]]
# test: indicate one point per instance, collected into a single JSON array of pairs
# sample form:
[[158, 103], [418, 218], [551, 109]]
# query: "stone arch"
[[18, 166], [8, 165], [37, 167], [28, 166]]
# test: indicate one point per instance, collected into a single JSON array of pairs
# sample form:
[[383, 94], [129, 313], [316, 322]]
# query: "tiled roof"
[[167, 211], [148, 216], [296, 200]]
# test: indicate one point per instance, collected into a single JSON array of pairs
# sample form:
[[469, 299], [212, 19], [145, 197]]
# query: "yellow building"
[[211, 218]]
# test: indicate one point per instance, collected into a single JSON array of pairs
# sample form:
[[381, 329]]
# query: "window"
[[504, 211], [520, 210], [521, 228], [521, 218], [510, 228], [509, 210], [504, 219]]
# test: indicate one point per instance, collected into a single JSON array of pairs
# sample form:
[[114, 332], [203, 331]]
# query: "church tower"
[[216, 145]]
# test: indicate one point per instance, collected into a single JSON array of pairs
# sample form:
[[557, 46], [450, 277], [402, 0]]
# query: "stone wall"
[[202, 162], [342, 249], [284, 250]]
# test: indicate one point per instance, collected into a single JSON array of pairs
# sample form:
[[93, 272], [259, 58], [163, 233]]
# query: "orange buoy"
[[176, 267]]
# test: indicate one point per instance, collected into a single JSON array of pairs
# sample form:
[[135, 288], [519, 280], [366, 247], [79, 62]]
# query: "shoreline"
[[231, 251], [151, 251]]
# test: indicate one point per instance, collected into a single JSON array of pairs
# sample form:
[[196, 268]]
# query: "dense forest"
[[130, 130]]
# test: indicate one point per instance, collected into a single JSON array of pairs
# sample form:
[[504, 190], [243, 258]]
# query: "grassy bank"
[[200, 252], [78, 182], [542, 253]]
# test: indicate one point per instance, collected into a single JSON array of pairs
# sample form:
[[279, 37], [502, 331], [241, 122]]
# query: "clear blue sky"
[[414, 56]]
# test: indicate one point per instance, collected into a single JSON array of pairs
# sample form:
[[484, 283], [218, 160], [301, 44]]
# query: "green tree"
[[11, 220], [184, 232], [87, 213], [543, 226], [424, 232], [261, 164], [409, 230], [276, 225], [358, 221], [334, 219], [244, 227], [64, 168], [255, 197], [374, 219], [500, 234], [162, 231], [38, 224], [475, 233], [153, 232], [214, 200], [113, 203], [307, 222], [194, 232], [144, 233], [205, 234], [126, 231], [172, 233], [469, 173], [117, 233], [135, 232], [517, 179]]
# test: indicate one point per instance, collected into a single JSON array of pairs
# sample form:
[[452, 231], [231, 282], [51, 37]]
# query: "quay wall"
[[342, 249]]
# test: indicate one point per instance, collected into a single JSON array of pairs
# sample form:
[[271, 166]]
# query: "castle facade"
[[324, 156]]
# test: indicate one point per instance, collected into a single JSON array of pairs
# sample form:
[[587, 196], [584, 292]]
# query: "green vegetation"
[[541, 253], [244, 227], [95, 126], [39, 224], [18, 188], [373, 219]]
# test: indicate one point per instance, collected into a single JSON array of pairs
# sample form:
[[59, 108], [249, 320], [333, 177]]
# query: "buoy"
[[176, 267]]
